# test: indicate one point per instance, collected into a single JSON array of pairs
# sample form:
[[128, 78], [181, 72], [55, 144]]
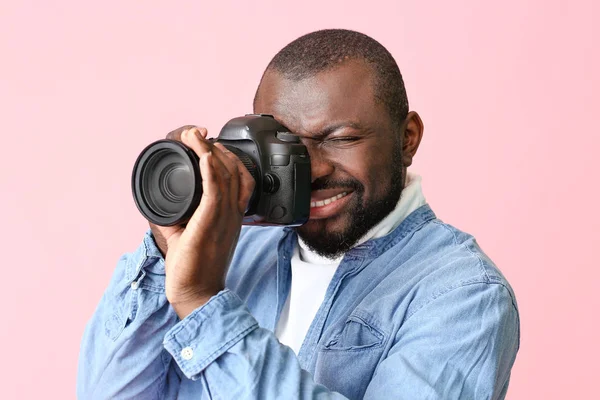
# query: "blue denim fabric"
[[421, 313]]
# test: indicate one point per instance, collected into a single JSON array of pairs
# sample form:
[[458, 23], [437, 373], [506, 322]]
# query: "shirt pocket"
[[347, 359], [359, 333]]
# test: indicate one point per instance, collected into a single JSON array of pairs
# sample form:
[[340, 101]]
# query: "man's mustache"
[[325, 183]]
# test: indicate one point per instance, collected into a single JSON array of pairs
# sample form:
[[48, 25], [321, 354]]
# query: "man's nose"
[[320, 166]]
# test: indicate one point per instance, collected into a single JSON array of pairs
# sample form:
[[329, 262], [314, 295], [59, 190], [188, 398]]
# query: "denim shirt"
[[421, 313]]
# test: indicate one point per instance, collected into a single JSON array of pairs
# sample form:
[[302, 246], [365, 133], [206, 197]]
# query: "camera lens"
[[166, 183]]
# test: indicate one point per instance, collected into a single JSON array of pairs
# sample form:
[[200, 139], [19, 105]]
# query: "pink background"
[[508, 91]]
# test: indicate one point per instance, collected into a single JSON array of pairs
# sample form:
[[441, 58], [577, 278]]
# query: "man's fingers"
[[210, 196], [247, 185], [225, 168], [177, 133], [194, 140], [230, 161], [225, 156], [227, 185], [229, 180], [246, 181], [203, 132]]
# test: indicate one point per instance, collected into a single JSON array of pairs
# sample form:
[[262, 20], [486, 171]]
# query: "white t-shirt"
[[311, 273]]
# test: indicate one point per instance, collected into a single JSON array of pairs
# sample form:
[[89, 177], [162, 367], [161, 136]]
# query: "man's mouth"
[[327, 203], [324, 202]]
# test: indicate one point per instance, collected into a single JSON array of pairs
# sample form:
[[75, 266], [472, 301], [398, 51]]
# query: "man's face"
[[356, 157]]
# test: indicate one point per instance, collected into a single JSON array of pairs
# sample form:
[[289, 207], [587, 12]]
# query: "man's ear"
[[412, 132]]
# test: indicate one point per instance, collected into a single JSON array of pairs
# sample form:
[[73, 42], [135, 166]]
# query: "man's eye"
[[342, 139]]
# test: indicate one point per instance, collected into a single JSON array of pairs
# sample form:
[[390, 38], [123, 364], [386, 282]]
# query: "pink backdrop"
[[508, 91]]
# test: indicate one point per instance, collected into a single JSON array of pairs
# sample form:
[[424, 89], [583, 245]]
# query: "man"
[[374, 297]]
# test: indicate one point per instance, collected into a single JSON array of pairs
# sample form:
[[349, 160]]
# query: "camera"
[[167, 185]]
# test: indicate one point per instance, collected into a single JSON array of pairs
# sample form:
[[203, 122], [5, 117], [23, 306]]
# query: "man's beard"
[[361, 217]]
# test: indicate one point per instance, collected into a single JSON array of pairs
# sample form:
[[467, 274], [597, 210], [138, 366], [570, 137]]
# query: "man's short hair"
[[325, 49]]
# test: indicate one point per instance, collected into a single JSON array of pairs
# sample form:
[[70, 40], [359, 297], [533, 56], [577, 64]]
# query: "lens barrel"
[[166, 181]]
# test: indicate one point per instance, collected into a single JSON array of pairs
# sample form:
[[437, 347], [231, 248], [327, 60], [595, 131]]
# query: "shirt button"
[[135, 285], [187, 353]]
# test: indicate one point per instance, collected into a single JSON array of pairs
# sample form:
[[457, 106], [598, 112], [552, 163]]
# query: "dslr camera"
[[167, 185]]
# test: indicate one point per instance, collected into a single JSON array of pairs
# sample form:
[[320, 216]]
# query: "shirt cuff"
[[208, 332]]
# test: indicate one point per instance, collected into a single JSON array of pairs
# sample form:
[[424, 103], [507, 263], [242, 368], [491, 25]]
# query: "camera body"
[[282, 193], [167, 186]]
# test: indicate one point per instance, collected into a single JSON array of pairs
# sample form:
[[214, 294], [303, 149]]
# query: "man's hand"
[[198, 255]]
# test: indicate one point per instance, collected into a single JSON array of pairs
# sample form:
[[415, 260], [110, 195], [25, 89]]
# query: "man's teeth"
[[321, 203]]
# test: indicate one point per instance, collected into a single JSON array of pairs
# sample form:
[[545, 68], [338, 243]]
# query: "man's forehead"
[[354, 73], [341, 93]]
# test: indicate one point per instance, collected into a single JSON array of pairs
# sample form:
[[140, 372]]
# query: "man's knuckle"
[[214, 197], [176, 133]]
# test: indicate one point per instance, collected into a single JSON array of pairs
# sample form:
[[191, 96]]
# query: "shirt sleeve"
[[121, 354], [460, 345], [222, 344]]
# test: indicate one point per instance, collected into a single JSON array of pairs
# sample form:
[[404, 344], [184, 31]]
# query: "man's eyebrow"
[[328, 130]]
